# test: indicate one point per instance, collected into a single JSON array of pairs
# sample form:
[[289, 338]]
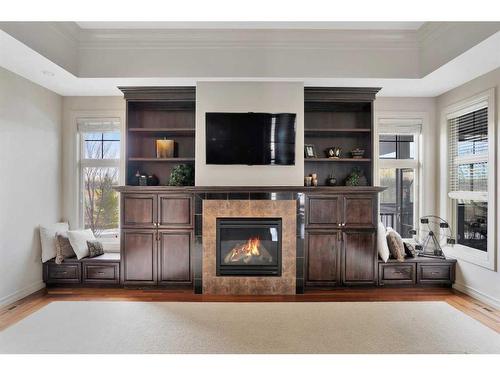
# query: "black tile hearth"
[[239, 196]]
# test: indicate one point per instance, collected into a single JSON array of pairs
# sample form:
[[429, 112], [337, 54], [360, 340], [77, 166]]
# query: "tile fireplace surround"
[[284, 209]]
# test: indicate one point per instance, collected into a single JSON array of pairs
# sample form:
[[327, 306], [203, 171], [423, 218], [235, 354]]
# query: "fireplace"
[[248, 247]]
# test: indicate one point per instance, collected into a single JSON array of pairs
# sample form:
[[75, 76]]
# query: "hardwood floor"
[[481, 312]]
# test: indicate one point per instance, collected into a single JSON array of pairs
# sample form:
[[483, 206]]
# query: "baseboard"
[[16, 296], [477, 294]]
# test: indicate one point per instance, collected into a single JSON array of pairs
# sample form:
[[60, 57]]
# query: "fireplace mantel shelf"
[[210, 189]]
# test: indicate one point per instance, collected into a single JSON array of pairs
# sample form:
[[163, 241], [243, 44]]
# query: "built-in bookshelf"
[[339, 117], [158, 113]]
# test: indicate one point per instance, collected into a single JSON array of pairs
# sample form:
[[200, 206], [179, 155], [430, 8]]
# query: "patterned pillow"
[[95, 248], [410, 250], [396, 246], [63, 248]]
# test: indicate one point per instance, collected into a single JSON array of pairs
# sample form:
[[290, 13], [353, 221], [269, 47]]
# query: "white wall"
[[424, 108], [74, 107], [249, 97], [472, 279], [30, 192]]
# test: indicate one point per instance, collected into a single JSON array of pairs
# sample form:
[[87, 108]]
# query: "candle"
[[164, 148]]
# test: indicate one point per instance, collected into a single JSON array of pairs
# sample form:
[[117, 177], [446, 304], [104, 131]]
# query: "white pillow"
[[48, 239], [78, 240], [382, 247]]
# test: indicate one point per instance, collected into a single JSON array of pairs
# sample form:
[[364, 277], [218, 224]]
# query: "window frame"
[[82, 162], [402, 124], [486, 259]]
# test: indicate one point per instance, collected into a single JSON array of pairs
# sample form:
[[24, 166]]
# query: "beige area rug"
[[192, 327]]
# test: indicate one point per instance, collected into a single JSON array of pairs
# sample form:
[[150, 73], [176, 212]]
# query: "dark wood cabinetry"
[[340, 239], [139, 253], [323, 253], [156, 240], [417, 271], [174, 256], [359, 258]]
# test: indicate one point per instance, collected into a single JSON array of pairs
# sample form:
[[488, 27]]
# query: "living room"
[[249, 186]]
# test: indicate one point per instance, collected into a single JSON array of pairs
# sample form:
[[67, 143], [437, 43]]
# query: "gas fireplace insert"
[[248, 247]]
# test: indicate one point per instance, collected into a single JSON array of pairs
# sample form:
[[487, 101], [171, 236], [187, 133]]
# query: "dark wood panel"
[[139, 256], [175, 256], [139, 210], [359, 257], [359, 211], [435, 273], [62, 273], [101, 273], [322, 258], [323, 210], [175, 210], [397, 274]]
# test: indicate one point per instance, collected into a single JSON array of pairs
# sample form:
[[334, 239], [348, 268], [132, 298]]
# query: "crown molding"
[[240, 38]]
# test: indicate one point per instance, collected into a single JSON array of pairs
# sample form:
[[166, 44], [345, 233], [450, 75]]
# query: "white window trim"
[[77, 214], [402, 123], [484, 259]]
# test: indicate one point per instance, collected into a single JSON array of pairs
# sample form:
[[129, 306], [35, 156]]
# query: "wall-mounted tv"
[[250, 138]]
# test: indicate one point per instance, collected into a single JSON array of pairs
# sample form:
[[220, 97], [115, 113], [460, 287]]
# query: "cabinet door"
[[322, 258], [359, 258], [139, 210], [323, 210], [359, 211], [139, 256], [175, 210], [174, 256]]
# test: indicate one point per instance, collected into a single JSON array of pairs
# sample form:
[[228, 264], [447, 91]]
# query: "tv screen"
[[250, 138]]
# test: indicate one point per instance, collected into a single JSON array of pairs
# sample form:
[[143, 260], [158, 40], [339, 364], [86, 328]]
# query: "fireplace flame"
[[245, 252]]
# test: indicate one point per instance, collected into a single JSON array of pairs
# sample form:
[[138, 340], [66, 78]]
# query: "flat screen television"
[[250, 138]]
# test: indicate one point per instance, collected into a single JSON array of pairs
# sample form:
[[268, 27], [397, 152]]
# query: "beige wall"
[[249, 97], [30, 192], [74, 107], [475, 280]]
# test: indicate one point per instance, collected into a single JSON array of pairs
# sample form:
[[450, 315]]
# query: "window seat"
[[101, 270]]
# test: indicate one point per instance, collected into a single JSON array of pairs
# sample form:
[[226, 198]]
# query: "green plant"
[[353, 178], [182, 175]]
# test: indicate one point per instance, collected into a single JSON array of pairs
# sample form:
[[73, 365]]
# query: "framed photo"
[[309, 151]]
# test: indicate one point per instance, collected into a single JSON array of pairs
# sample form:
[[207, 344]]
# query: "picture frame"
[[310, 152]]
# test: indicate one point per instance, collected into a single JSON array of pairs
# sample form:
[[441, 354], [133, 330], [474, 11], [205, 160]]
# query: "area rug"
[[288, 327]]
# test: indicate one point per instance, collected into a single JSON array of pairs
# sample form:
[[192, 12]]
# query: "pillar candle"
[[164, 148]]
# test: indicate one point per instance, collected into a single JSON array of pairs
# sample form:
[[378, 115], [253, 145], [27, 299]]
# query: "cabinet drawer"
[[101, 273], [397, 274], [63, 273], [435, 273]]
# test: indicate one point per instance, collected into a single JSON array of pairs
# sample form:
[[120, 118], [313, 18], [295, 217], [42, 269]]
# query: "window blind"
[[468, 155], [98, 125]]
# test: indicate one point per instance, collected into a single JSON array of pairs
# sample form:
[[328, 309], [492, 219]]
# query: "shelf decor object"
[[165, 148], [357, 153], [309, 152]]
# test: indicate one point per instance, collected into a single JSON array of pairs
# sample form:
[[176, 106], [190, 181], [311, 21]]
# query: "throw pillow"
[[78, 240], [63, 248], [410, 250], [383, 249], [48, 239], [95, 248], [396, 246]]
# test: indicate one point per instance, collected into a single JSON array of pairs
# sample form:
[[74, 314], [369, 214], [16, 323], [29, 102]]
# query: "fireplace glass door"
[[248, 247]]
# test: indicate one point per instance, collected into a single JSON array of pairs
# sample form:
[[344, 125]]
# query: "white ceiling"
[[26, 62], [254, 25]]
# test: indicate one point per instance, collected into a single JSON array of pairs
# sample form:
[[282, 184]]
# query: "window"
[[471, 178], [398, 170], [99, 172]]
